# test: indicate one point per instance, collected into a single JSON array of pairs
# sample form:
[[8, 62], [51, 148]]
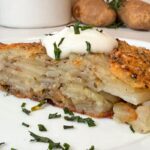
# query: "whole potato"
[[93, 12], [135, 14]]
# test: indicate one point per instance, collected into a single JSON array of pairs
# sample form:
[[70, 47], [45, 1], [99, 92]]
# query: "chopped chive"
[[79, 119], [57, 52], [41, 127], [2, 143], [92, 148], [85, 27], [131, 128], [68, 127], [88, 47], [61, 41], [23, 104], [76, 28], [66, 146], [52, 144], [55, 115], [26, 111], [67, 111], [39, 106], [13, 149], [26, 125]]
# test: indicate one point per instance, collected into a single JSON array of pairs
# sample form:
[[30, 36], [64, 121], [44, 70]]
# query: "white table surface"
[[11, 34]]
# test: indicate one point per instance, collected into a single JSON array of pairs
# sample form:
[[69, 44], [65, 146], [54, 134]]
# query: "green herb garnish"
[[92, 148], [67, 111], [41, 127], [114, 4], [68, 127], [26, 125], [39, 106], [88, 47], [26, 111], [57, 52], [2, 143], [131, 128], [13, 149], [79, 119], [61, 41], [77, 28], [85, 27], [23, 104], [55, 115], [52, 144], [66, 146]]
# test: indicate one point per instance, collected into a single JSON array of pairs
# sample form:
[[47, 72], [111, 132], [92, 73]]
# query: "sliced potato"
[[93, 12], [135, 14]]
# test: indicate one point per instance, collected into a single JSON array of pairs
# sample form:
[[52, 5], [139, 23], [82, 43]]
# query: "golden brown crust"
[[30, 48], [131, 65]]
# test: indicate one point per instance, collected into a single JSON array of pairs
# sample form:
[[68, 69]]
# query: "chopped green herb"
[[26, 111], [77, 28], [88, 121], [23, 104], [88, 47], [62, 39], [26, 125], [57, 52], [85, 27], [67, 111], [39, 106], [92, 148], [2, 143], [38, 138], [55, 115], [131, 128], [13, 149], [42, 127], [52, 145], [68, 127], [114, 4], [66, 146]]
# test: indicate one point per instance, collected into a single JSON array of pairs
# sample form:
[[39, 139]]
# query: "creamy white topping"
[[100, 42]]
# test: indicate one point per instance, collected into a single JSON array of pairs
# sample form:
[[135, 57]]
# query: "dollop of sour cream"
[[99, 42]]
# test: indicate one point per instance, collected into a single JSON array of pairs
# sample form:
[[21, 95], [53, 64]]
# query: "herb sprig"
[[114, 4]]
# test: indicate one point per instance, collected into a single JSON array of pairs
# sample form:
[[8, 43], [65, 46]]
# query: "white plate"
[[107, 135]]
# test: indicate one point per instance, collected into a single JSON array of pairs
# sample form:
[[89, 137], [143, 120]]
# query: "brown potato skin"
[[135, 14], [93, 12]]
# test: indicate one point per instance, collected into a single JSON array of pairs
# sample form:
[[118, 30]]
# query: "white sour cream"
[[100, 42]]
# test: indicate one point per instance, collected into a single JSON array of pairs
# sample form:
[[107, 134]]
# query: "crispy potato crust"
[[131, 65]]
